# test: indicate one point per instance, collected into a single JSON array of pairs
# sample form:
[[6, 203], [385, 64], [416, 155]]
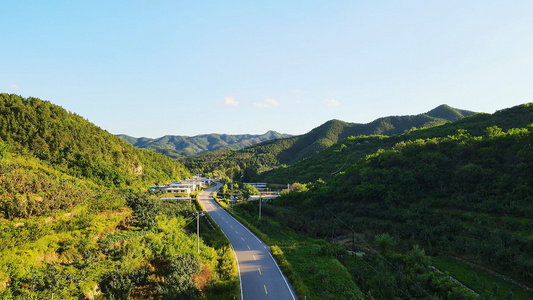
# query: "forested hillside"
[[184, 146], [267, 155], [466, 198], [76, 220], [77, 147], [338, 157]]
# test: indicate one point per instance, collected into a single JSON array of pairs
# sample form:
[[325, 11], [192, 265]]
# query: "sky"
[[154, 68]]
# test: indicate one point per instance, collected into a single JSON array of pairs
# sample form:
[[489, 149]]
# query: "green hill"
[[75, 222], [460, 191], [77, 147], [348, 151], [184, 146], [286, 151]]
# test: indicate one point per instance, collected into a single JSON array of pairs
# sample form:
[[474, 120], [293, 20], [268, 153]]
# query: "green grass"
[[479, 280], [311, 265], [227, 285], [326, 276]]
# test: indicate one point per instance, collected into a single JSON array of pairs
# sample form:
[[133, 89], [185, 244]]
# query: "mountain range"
[[287, 151], [177, 146], [447, 183]]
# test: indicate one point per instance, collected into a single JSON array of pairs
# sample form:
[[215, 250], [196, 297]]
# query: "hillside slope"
[[184, 146], [77, 147], [75, 222], [267, 155], [336, 158], [461, 196]]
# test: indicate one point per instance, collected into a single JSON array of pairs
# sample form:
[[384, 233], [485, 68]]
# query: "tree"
[[249, 190], [384, 243], [119, 287], [3, 150], [225, 189], [178, 283]]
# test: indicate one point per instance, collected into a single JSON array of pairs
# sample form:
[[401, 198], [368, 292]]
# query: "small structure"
[[257, 185], [184, 186]]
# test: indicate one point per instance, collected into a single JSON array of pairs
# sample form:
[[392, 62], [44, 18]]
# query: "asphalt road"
[[259, 273]]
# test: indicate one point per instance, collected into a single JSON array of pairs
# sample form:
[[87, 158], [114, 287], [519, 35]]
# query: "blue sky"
[[154, 68]]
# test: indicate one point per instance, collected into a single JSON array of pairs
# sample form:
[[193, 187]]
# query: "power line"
[[383, 276], [65, 293], [346, 161], [381, 256]]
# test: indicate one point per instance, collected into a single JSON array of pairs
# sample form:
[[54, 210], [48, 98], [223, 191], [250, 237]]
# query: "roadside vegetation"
[[77, 220], [457, 196], [432, 213], [279, 153], [460, 196]]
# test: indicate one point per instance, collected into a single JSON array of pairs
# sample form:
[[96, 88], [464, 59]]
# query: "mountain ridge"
[[177, 146], [347, 151], [288, 151], [77, 147]]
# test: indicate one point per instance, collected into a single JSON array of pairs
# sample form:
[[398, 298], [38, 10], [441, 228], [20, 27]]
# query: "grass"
[[310, 265], [480, 281], [228, 287]]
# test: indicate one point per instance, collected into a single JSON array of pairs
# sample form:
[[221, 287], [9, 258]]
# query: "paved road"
[[259, 274]]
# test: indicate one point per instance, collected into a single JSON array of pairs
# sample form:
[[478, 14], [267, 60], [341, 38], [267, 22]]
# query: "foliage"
[[178, 283], [65, 230], [350, 150], [461, 194], [184, 146], [302, 260], [249, 190], [479, 280], [265, 156], [145, 209], [77, 147]]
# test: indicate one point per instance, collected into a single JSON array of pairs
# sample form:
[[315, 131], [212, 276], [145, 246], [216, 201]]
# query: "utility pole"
[[198, 215], [197, 232], [260, 200]]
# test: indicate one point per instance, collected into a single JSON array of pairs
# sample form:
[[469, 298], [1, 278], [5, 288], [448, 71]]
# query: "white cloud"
[[260, 105], [267, 103], [14, 86], [331, 102], [230, 101], [272, 102]]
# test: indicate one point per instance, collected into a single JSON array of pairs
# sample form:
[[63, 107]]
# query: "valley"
[[430, 206]]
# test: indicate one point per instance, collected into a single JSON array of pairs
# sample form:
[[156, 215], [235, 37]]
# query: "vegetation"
[[325, 164], [310, 265], [183, 146], [37, 128], [461, 195], [73, 223], [377, 211], [278, 153], [143, 251]]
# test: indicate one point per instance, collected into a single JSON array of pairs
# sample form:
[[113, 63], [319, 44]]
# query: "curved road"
[[259, 273]]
